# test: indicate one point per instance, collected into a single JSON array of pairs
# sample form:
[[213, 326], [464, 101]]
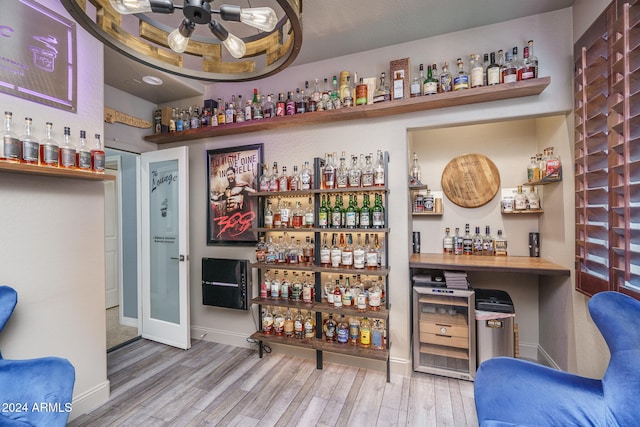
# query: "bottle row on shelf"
[[343, 252], [476, 244], [544, 167], [520, 200], [361, 332], [27, 149]]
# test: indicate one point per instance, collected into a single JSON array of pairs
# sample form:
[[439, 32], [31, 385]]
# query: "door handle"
[[180, 258]]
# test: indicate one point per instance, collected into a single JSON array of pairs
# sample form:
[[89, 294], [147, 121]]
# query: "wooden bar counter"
[[504, 264]]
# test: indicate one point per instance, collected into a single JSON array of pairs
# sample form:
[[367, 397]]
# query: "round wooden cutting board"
[[470, 180]]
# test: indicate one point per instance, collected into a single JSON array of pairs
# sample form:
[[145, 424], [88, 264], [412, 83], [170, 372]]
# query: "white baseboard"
[[220, 336], [90, 399]]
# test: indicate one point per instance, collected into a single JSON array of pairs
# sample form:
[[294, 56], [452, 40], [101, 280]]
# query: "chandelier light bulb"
[[262, 18], [127, 7], [235, 46], [177, 42]]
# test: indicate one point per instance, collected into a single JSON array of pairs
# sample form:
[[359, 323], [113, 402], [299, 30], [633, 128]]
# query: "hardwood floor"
[[214, 384]]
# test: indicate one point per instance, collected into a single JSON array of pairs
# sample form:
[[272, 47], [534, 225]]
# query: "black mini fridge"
[[225, 283]]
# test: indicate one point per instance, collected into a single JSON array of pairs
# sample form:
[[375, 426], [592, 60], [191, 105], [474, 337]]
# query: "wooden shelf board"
[[320, 269], [526, 212], [324, 307], [383, 109], [320, 230], [507, 264], [427, 213], [53, 172]]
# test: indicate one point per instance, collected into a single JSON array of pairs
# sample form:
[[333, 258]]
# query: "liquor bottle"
[[527, 70], [230, 112], [467, 241], [309, 326], [325, 252], [377, 215], [428, 201], [309, 216], [347, 252], [256, 106], [500, 244], [330, 329], [274, 182], [309, 103], [416, 83], [67, 151], [382, 93], [49, 148], [398, 85], [365, 333], [30, 147], [362, 93], [493, 71], [316, 96], [335, 94], [446, 79], [282, 250], [337, 295], [283, 180], [172, 120], [485, 66], [377, 335], [269, 108], [533, 60], [83, 153], [552, 165], [436, 76], [379, 178], [97, 155], [487, 243], [461, 79], [336, 252], [306, 177], [342, 173], [359, 255], [510, 70], [271, 256], [430, 85], [516, 61], [375, 297], [285, 214], [365, 213], [179, 122], [285, 286], [350, 218], [239, 113], [416, 173], [354, 330], [261, 250], [294, 180], [278, 322], [447, 242], [275, 286], [533, 199], [476, 71], [265, 178], [457, 242], [299, 102], [336, 214], [323, 213], [343, 330], [308, 251], [328, 290], [326, 96], [366, 178], [10, 145], [297, 216], [329, 173], [267, 321], [371, 255], [289, 328], [345, 93], [298, 325], [520, 200]]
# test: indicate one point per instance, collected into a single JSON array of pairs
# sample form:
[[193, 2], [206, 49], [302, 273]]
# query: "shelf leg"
[[260, 349], [319, 359]]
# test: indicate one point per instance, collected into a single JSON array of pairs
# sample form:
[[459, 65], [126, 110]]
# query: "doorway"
[[121, 249]]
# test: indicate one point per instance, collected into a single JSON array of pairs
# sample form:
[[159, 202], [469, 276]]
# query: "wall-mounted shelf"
[[53, 172], [504, 264], [383, 109], [525, 212]]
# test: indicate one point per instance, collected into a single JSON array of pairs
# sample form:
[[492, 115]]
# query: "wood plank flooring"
[[219, 385]]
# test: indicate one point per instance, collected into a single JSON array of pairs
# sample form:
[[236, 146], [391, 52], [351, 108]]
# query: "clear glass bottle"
[[488, 248], [67, 151], [49, 148], [278, 322], [30, 149], [342, 173], [83, 153], [531, 170], [477, 242], [367, 175], [298, 325], [329, 173], [309, 326], [379, 178], [347, 253], [416, 83], [447, 242], [289, 327], [533, 199], [10, 146], [98, 156], [335, 93], [256, 106], [533, 60], [415, 171], [267, 321], [283, 180], [299, 101], [520, 200], [261, 250], [500, 244], [446, 79], [371, 255], [330, 329], [458, 244], [354, 173], [306, 177], [377, 335], [354, 330], [336, 252], [467, 241], [359, 254], [528, 70], [325, 252], [510, 69], [476, 71], [461, 79], [346, 91], [552, 165], [274, 182], [326, 96], [382, 92], [375, 297], [309, 215]]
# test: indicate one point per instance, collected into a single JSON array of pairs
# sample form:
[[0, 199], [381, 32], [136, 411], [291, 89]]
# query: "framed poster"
[[233, 173], [38, 54]]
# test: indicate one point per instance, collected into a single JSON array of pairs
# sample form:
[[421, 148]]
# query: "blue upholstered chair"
[[515, 392], [35, 392]]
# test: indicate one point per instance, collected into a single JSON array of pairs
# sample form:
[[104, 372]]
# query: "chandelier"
[[262, 43]]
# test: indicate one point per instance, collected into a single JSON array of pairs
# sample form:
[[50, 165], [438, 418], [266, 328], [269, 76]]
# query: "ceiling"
[[333, 28]]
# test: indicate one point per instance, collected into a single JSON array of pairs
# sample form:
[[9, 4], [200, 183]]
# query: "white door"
[[112, 235], [165, 245]]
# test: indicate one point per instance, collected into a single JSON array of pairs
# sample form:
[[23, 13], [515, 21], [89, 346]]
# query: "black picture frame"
[[232, 215]]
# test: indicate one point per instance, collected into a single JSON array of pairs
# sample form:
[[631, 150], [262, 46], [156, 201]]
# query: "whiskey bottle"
[[283, 180], [306, 177], [362, 93], [416, 173], [300, 109], [297, 216], [267, 321], [354, 173], [398, 85], [477, 71], [461, 79], [336, 252], [366, 178], [274, 183], [345, 93], [500, 244], [309, 326], [510, 70], [446, 79], [329, 173], [365, 332], [485, 66], [377, 335], [49, 148], [342, 173], [343, 330], [520, 200], [477, 242], [326, 96], [533, 60], [309, 217], [83, 154], [375, 297], [354, 330], [533, 199], [67, 151], [528, 70], [278, 322], [298, 325], [316, 96], [458, 244], [330, 329], [347, 252], [268, 216], [289, 327], [447, 242], [294, 179], [382, 93], [359, 254], [261, 250], [416, 83], [467, 241], [10, 145], [97, 155], [493, 71], [337, 295], [30, 147], [430, 86], [487, 243], [309, 102], [269, 108]]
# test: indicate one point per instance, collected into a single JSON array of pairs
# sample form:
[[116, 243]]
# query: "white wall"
[[292, 146], [52, 249]]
